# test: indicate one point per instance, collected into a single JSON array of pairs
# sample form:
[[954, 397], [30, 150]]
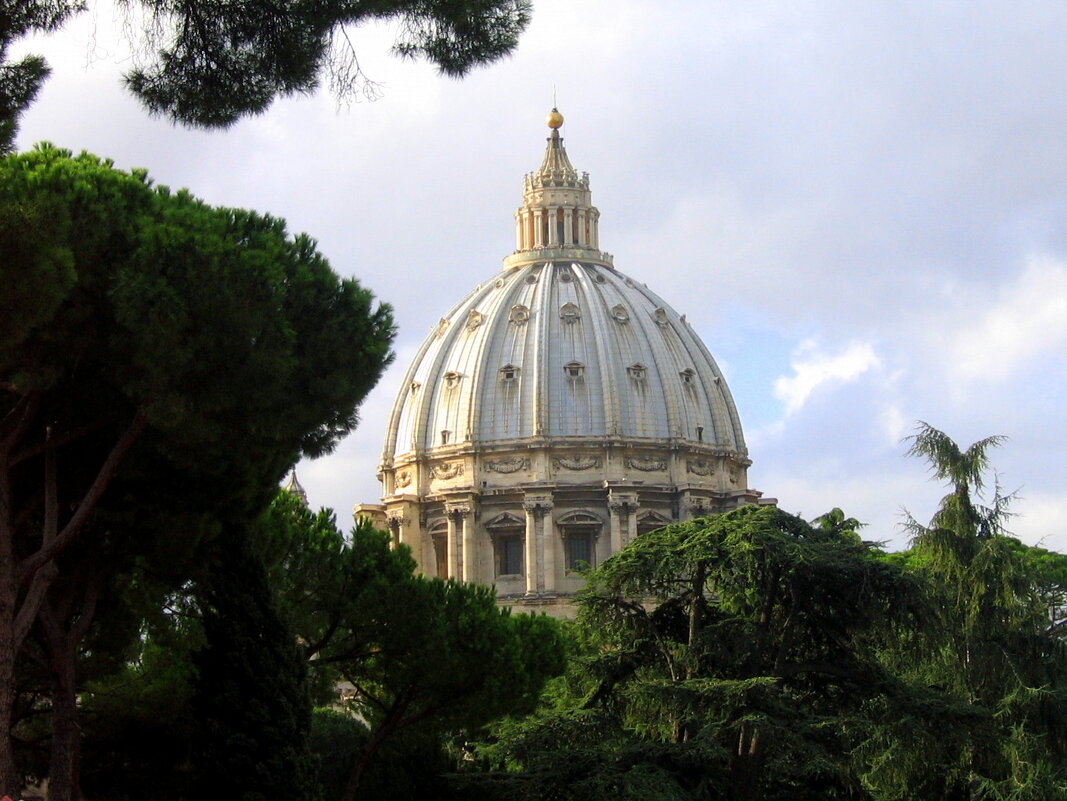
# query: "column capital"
[[538, 504], [457, 511]]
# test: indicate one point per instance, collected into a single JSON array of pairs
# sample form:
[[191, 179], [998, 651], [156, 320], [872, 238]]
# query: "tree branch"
[[72, 529]]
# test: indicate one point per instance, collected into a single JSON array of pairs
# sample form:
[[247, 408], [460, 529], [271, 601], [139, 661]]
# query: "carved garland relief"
[[698, 467], [511, 465], [447, 470], [646, 465], [576, 462]]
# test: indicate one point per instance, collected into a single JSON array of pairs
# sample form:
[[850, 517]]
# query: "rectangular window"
[[509, 556], [578, 550]]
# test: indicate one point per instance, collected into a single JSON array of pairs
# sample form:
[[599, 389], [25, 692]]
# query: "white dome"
[[555, 413], [566, 350]]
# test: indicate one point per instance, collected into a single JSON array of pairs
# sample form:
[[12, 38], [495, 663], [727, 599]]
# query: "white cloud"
[[814, 368], [1028, 319], [1039, 520], [894, 423]]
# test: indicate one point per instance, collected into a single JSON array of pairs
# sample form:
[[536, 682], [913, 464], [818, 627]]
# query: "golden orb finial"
[[554, 119]]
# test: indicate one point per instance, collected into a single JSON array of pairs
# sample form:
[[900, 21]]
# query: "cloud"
[[1039, 520], [1027, 320], [813, 368]]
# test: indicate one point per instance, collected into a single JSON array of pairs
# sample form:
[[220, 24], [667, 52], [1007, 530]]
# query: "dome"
[[556, 412], [567, 350]]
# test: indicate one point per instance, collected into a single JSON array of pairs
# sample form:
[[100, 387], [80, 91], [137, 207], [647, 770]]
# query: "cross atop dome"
[[557, 216]]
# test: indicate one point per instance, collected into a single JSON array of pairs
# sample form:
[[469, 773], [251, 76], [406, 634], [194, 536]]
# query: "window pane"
[[579, 552], [509, 556]]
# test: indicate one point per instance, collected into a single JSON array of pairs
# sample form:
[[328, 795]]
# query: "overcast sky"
[[861, 208]]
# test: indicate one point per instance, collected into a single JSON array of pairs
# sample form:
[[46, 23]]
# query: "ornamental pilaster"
[[458, 516], [537, 508], [623, 507]]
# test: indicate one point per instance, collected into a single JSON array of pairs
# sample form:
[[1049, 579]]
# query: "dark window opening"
[[578, 551], [509, 556]]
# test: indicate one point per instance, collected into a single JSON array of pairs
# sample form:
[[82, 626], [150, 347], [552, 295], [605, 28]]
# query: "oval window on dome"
[[519, 314], [619, 314]]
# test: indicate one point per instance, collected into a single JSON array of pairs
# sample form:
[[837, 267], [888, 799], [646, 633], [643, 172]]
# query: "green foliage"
[[423, 657], [218, 63], [211, 63], [236, 342], [250, 699], [989, 641], [162, 363], [20, 81], [734, 656]]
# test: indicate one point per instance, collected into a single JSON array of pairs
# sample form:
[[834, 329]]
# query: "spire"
[[293, 485], [557, 217]]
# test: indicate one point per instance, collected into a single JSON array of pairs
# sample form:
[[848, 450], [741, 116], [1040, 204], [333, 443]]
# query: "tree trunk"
[[355, 776], [66, 739], [10, 780], [63, 629], [747, 762]]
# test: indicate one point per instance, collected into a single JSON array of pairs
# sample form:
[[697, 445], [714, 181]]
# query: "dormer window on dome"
[[509, 372], [451, 379], [687, 375], [637, 371], [574, 369], [570, 313]]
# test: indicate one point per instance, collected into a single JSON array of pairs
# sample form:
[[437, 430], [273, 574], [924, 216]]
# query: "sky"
[[860, 207]]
